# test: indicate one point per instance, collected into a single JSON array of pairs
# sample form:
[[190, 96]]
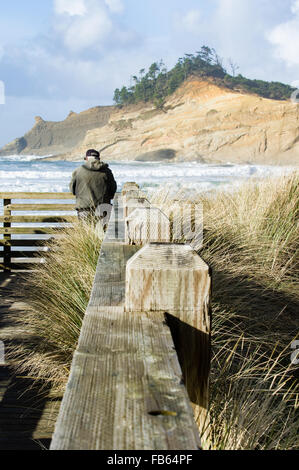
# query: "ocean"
[[25, 173]]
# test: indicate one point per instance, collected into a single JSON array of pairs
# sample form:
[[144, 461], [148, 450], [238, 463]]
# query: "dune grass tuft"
[[57, 294], [250, 240]]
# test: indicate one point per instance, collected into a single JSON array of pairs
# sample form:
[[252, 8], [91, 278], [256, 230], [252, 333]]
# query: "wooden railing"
[[13, 213], [143, 355]]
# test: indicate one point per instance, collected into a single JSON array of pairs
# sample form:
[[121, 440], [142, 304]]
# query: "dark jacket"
[[93, 184]]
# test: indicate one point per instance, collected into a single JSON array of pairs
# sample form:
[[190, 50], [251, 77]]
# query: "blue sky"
[[62, 55]]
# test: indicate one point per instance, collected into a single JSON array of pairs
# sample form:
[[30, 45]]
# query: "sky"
[[63, 55]]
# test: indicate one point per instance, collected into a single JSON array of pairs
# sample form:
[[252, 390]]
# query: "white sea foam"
[[28, 174], [21, 158]]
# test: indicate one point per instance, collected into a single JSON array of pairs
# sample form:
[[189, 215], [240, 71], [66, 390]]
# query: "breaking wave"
[[26, 173]]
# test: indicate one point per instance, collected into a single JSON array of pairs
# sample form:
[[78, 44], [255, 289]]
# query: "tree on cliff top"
[[158, 83]]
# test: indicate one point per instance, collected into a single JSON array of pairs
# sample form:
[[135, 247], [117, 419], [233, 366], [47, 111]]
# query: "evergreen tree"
[[155, 85]]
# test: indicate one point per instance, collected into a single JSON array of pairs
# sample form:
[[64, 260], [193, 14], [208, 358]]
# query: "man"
[[94, 185]]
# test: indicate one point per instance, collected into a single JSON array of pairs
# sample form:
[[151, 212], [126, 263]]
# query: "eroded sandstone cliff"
[[50, 138], [200, 121]]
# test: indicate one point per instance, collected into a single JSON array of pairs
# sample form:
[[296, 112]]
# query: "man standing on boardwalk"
[[94, 186]]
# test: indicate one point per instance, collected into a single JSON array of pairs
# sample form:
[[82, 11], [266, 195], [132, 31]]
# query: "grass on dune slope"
[[250, 240], [251, 243], [57, 294]]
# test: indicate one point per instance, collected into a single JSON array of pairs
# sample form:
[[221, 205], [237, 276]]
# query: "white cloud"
[[190, 22], [285, 38], [116, 6], [70, 7], [86, 56], [295, 7], [87, 29], [60, 75]]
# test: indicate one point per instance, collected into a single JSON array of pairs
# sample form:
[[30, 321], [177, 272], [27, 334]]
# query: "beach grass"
[[57, 294], [250, 240]]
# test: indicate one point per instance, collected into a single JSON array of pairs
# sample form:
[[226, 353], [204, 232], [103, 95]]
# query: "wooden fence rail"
[[143, 355], [24, 259]]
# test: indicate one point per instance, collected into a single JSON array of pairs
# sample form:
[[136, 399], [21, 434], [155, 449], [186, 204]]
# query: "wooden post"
[[132, 193], [133, 203], [129, 187], [173, 279], [147, 224], [128, 195], [186, 221], [7, 236]]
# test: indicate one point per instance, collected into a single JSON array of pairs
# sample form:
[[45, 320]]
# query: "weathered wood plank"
[[132, 193], [115, 233], [186, 222], [38, 218], [35, 195], [41, 207], [154, 273], [125, 372], [128, 186], [109, 283], [25, 254], [7, 236], [22, 266], [24, 242], [31, 230], [116, 228], [172, 278], [147, 224], [133, 203]]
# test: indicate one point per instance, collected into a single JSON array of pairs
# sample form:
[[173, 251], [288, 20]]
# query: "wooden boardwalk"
[[143, 355], [27, 418], [126, 389]]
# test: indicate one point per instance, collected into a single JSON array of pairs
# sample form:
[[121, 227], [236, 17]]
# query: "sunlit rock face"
[[201, 121]]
